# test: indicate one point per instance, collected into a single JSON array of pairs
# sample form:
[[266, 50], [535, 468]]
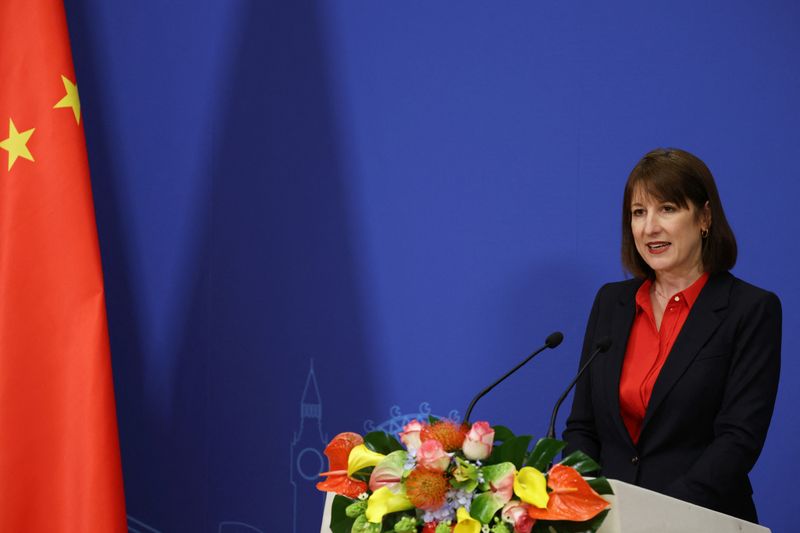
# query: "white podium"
[[638, 510]]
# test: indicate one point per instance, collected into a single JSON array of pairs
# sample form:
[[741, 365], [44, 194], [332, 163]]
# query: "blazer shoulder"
[[742, 291], [740, 297], [619, 290]]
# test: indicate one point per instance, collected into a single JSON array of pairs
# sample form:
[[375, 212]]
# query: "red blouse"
[[648, 348]]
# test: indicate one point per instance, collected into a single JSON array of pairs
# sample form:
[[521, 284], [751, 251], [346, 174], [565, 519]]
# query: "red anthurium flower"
[[571, 497], [337, 451]]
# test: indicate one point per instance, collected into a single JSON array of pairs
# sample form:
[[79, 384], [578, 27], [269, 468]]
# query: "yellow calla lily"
[[466, 524], [383, 501], [362, 457], [531, 487]]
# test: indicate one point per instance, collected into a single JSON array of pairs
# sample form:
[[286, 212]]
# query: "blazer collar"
[[703, 320]]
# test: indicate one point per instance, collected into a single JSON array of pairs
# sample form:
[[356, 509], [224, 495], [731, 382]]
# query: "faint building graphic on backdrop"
[[309, 441], [394, 425], [306, 458]]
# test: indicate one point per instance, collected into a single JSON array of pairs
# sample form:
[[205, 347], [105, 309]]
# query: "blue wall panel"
[[328, 216]]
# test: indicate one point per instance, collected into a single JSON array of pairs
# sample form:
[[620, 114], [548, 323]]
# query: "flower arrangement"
[[447, 477]]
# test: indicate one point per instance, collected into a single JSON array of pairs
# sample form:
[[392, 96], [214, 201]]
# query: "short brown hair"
[[673, 175]]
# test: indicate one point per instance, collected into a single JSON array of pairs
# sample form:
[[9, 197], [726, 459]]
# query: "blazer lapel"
[[703, 320], [620, 331]]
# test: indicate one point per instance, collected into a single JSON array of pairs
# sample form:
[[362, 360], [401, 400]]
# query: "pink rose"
[[516, 512], [410, 435], [431, 455], [478, 444]]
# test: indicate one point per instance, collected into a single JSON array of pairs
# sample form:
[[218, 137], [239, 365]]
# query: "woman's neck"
[[668, 284]]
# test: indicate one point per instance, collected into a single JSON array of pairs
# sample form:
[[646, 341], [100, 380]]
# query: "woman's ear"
[[705, 216]]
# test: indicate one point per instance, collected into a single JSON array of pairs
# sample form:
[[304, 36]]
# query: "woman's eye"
[[669, 208], [637, 212]]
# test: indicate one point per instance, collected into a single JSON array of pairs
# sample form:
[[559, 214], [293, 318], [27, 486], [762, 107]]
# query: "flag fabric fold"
[[59, 451]]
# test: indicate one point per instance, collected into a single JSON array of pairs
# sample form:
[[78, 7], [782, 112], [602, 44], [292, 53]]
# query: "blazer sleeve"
[[740, 426], [581, 433]]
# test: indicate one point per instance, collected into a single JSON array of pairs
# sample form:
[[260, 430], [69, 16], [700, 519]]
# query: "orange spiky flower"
[[448, 433], [426, 489]]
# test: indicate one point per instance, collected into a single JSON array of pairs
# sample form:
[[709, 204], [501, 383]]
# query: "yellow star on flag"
[[71, 99], [16, 143]]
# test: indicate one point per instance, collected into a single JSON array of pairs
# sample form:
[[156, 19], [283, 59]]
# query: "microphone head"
[[554, 339], [603, 344]]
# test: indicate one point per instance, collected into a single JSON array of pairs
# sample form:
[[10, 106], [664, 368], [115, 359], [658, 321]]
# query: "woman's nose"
[[652, 224]]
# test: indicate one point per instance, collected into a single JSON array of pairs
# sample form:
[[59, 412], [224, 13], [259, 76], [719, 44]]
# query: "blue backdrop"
[[327, 216]]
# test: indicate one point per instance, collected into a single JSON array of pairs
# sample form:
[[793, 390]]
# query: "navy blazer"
[[711, 405]]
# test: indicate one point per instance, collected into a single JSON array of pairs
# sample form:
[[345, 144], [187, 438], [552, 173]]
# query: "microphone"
[[552, 340], [601, 346]]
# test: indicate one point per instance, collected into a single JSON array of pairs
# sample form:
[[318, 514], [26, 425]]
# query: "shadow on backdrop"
[[284, 279]]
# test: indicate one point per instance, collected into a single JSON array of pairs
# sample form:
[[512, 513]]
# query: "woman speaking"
[[681, 402]]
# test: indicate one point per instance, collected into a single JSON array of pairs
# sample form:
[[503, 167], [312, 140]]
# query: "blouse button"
[[635, 460], [677, 298]]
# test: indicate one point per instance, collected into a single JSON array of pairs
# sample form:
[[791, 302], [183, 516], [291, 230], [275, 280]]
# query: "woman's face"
[[667, 236]]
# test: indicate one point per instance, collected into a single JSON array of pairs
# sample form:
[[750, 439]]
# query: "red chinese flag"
[[59, 450]]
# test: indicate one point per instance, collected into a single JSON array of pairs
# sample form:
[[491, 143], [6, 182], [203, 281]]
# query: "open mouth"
[[657, 246]]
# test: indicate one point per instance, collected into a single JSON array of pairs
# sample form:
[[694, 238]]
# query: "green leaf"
[[513, 451], [484, 506], [600, 485], [340, 523], [502, 433], [381, 442], [580, 462], [565, 526], [543, 453]]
